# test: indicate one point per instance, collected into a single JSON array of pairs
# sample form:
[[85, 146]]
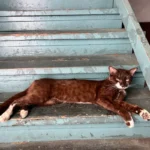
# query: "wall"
[[141, 9]]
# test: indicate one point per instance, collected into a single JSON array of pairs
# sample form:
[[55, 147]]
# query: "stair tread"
[[59, 12], [83, 112], [69, 34], [67, 62]]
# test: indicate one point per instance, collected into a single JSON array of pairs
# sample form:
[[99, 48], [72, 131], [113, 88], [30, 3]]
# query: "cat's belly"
[[74, 91], [78, 100]]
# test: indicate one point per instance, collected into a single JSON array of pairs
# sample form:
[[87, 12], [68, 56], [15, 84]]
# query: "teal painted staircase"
[[70, 39]]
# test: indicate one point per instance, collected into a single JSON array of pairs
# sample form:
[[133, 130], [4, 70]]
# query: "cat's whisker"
[[132, 85]]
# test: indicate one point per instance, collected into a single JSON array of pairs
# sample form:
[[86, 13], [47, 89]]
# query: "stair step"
[[17, 74], [65, 120], [68, 12], [64, 43], [54, 4], [76, 22], [65, 35], [14, 64]]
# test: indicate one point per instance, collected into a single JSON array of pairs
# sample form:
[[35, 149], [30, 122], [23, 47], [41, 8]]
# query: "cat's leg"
[[6, 115], [135, 109], [20, 102], [114, 107], [24, 112], [50, 102]]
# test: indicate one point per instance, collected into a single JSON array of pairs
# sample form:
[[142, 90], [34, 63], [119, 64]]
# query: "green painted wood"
[[138, 40], [65, 35], [98, 11], [54, 4], [65, 122]]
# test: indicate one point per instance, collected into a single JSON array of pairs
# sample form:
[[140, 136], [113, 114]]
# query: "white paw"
[[3, 118], [145, 115], [130, 123], [23, 113]]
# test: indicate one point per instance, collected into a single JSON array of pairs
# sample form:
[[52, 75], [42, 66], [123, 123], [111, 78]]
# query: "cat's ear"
[[112, 70], [132, 71]]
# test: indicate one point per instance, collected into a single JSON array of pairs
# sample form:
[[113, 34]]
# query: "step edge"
[[59, 12]]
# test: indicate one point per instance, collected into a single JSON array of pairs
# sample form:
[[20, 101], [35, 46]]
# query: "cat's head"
[[121, 78]]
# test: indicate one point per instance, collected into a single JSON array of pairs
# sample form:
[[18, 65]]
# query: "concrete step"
[[64, 43], [72, 121], [111, 144], [75, 22], [17, 73]]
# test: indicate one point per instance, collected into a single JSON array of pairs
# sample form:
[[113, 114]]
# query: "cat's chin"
[[121, 88]]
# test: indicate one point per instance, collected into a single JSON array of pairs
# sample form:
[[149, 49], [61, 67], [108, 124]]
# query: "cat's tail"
[[6, 104]]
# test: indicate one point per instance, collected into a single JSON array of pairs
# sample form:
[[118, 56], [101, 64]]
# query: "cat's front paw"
[[130, 123], [145, 115]]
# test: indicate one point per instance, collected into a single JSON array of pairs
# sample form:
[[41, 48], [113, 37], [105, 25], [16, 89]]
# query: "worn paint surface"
[[64, 43], [138, 40], [60, 25], [65, 35], [54, 4]]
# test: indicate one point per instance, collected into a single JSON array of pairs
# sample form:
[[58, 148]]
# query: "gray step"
[[16, 74], [54, 4], [64, 43], [113, 144], [65, 121]]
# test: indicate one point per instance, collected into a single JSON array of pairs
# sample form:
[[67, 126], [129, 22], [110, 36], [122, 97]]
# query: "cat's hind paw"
[[145, 115], [3, 118], [23, 113]]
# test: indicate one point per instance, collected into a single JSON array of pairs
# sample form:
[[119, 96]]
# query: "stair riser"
[[20, 83], [71, 132], [56, 36], [54, 4], [60, 25], [80, 50]]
